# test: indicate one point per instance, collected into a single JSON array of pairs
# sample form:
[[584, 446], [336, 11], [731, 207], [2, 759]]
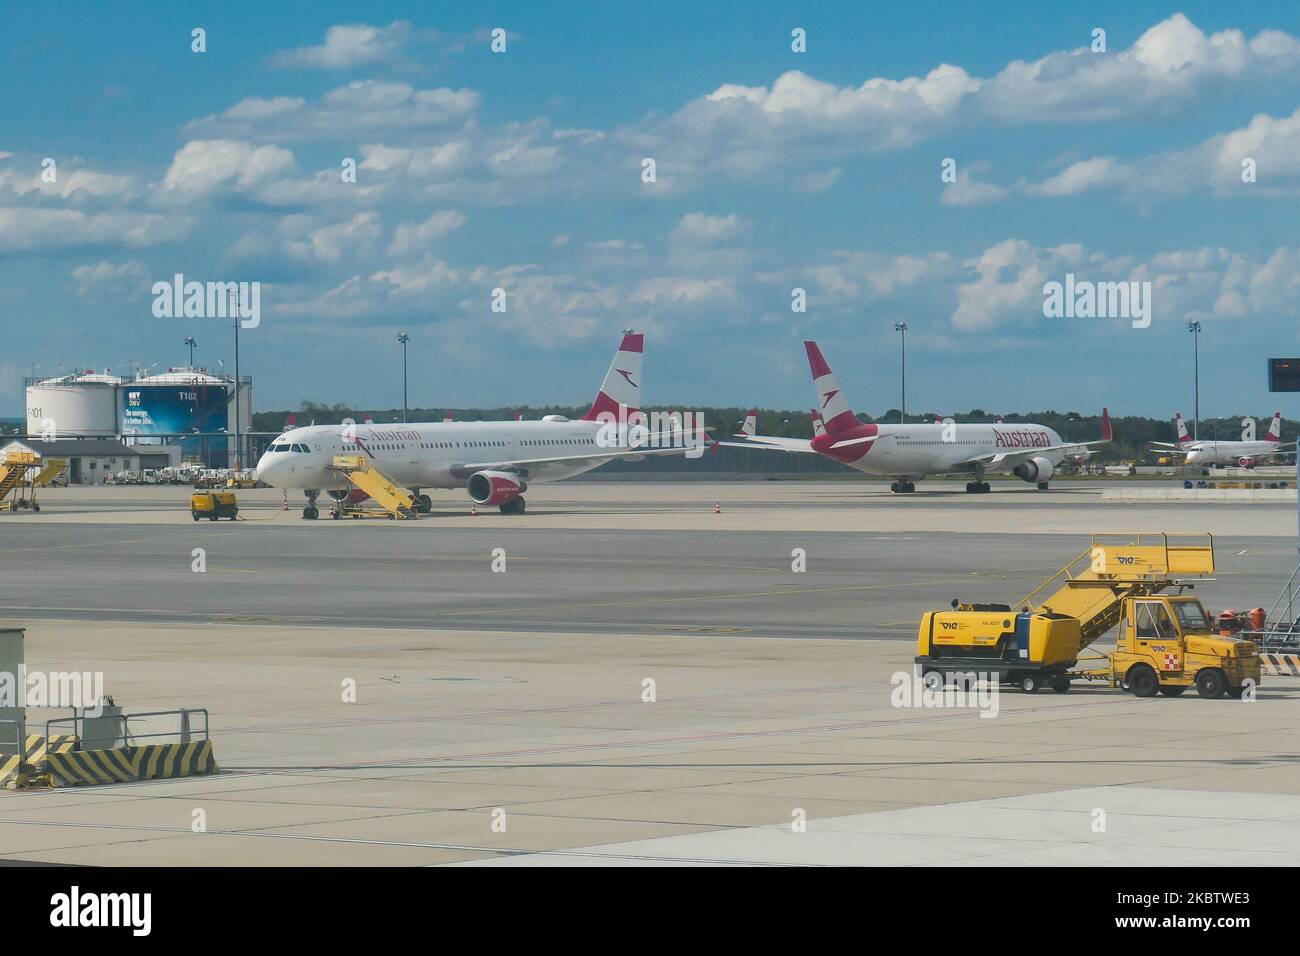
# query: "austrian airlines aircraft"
[[910, 452], [494, 461], [1243, 453]]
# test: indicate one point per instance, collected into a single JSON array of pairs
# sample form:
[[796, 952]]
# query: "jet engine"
[[1035, 469], [494, 487], [353, 496]]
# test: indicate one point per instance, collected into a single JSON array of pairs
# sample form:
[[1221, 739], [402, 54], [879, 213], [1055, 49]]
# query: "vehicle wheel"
[[1030, 683], [985, 488], [1172, 690], [1142, 681], [214, 516], [1236, 693], [893, 486], [1042, 486], [932, 680], [194, 515], [310, 513], [1061, 685], [1210, 683], [423, 504], [910, 487], [970, 487], [336, 514]]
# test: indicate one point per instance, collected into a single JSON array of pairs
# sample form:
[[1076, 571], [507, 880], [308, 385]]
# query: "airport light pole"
[[403, 338], [238, 447], [1195, 329], [901, 329], [189, 340]]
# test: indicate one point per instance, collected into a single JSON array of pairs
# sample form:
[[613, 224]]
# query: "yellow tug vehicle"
[[1165, 643]]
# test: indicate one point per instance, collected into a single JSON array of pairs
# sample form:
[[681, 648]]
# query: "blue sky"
[[775, 170]]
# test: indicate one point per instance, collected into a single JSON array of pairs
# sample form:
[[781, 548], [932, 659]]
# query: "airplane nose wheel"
[[423, 504], [311, 512], [977, 487]]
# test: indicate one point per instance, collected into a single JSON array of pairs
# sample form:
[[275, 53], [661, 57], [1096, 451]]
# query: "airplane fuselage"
[[1227, 452], [430, 454], [936, 449]]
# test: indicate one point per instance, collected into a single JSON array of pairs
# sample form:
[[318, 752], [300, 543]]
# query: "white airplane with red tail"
[[908, 453], [494, 461], [1242, 453]]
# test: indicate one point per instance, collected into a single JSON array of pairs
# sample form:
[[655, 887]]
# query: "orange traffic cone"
[[286, 502], [473, 510], [717, 507]]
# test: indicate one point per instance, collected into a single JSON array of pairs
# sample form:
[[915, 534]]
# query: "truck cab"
[[1167, 643]]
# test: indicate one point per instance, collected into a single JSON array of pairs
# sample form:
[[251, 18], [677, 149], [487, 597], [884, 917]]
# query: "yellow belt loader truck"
[[1165, 642]]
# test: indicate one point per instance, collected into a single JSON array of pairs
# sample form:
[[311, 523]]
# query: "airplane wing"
[[773, 443], [1009, 459], [1165, 444]]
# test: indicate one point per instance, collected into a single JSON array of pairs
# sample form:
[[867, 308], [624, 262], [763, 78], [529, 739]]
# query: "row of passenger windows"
[[401, 446], [479, 444]]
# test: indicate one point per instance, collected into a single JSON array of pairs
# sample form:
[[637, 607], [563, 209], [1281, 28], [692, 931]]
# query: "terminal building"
[[178, 416]]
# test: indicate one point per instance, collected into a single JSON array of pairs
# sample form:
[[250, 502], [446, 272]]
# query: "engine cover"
[[494, 487], [1035, 469]]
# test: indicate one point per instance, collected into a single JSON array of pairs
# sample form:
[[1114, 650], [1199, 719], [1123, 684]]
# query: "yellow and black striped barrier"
[[129, 764], [38, 747], [13, 771], [88, 767], [1281, 665], [159, 761]]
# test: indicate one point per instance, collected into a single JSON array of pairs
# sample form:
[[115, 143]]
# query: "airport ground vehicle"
[[214, 505], [1165, 642]]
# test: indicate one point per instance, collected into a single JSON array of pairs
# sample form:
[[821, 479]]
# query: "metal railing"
[[185, 732], [16, 731]]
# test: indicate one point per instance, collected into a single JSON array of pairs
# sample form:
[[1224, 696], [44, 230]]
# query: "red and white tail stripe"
[[1275, 428], [1183, 437], [750, 425], [819, 426], [832, 404], [622, 385]]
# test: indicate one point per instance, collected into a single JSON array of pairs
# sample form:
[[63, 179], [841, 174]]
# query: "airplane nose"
[[262, 470]]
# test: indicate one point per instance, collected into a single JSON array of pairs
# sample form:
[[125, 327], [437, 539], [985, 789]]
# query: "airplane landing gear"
[[1042, 486], [423, 504], [311, 512], [977, 487], [902, 487], [515, 506]]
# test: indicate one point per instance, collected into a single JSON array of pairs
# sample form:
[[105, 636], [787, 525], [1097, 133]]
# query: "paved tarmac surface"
[[523, 693]]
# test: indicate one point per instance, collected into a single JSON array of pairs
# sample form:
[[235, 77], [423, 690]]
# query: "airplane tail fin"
[[1183, 437], [1275, 428], [750, 426], [291, 422], [448, 417], [622, 385], [834, 407], [819, 426], [1107, 432]]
